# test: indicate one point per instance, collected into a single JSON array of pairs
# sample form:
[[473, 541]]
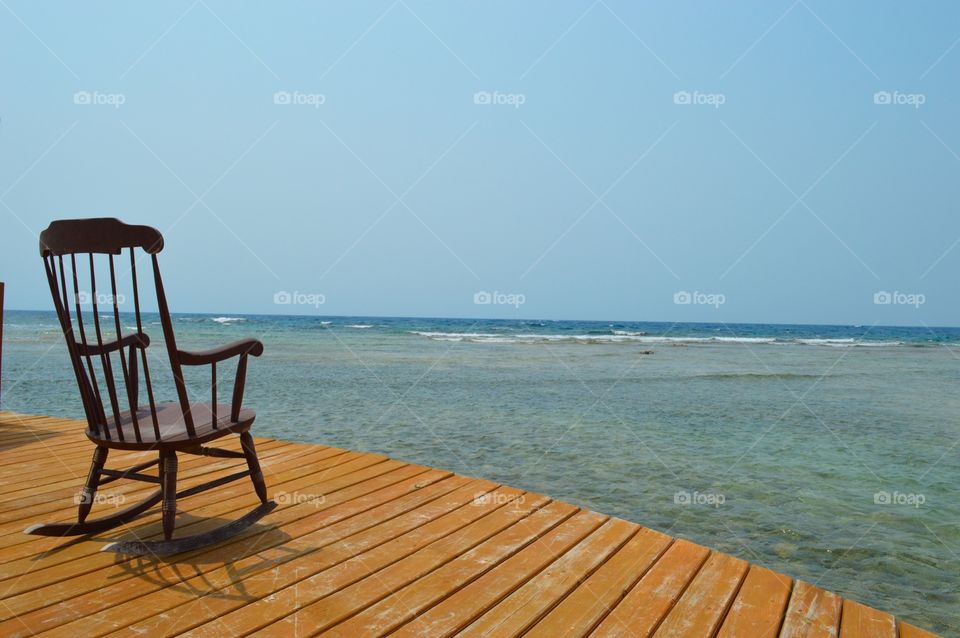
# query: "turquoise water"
[[778, 444]]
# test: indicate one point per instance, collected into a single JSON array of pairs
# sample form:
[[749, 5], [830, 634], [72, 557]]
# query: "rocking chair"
[[162, 428]]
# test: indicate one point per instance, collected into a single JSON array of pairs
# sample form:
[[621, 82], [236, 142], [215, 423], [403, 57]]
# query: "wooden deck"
[[363, 545]]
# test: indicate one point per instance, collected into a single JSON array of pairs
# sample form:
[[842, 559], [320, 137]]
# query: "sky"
[[773, 161]]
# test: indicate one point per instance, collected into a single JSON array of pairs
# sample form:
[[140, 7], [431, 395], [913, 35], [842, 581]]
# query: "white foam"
[[223, 320], [623, 336], [484, 337], [359, 325], [826, 342], [848, 343], [459, 335]]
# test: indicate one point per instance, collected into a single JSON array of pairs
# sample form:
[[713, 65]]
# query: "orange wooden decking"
[[363, 545]]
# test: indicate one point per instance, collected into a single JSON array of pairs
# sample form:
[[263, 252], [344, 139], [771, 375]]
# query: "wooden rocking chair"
[[162, 428]]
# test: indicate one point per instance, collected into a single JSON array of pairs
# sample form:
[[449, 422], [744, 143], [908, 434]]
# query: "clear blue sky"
[[588, 189]]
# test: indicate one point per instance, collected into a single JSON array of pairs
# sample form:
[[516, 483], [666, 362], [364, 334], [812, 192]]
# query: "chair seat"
[[173, 428]]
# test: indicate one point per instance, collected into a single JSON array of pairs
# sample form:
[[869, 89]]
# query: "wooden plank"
[[233, 497], [418, 594], [271, 594], [598, 594], [463, 606], [645, 606], [40, 552], [51, 555], [31, 447], [42, 441], [15, 561], [392, 549], [47, 497], [811, 613], [70, 559], [42, 479], [59, 504], [42, 503], [758, 609], [374, 586], [909, 631], [702, 606], [860, 621], [115, 570], [184, 583], [262, 615], [68, 463], [524, 607]]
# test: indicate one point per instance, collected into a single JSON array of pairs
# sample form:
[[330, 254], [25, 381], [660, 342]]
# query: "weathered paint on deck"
[[363, 545]]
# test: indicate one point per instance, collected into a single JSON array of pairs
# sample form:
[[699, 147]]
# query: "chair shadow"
[[189, 572], [12, 431]]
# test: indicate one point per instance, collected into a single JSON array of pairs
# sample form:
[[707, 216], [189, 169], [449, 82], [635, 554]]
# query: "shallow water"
[[779, 444]]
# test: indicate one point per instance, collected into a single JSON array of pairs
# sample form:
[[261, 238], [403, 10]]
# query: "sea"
[[830, 453]]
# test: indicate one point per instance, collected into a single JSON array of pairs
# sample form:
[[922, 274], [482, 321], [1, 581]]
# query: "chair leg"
[[256, 475], [93, 480], [168, 461]]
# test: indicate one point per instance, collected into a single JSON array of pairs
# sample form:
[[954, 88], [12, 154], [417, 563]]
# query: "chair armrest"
[[137, 340], [240, 348], [202, 357]]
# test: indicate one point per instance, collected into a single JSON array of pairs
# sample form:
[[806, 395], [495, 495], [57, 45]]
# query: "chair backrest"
[[71, 250]]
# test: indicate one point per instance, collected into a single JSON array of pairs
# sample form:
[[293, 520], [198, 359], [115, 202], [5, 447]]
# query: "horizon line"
[[467, 318]]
